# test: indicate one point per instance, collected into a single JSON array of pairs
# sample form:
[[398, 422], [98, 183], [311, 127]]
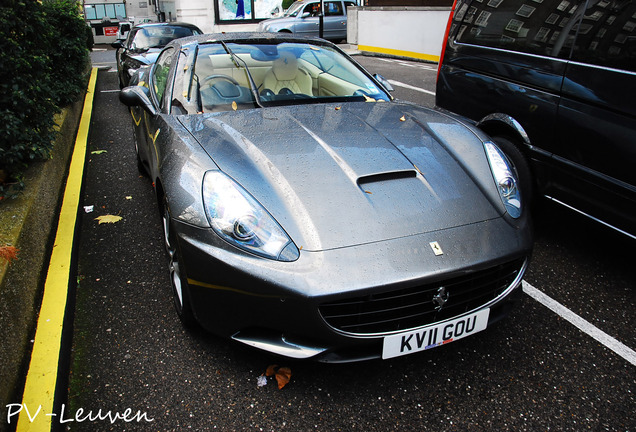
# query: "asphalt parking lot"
[[533, 371]]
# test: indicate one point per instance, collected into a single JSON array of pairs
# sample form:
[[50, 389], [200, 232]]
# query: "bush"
[[43, 68]]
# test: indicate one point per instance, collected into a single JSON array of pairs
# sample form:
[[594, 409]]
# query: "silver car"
[[303, 18], [308, 214]]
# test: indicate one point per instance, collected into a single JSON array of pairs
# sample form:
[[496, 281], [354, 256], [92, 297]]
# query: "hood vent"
[[386, 176]]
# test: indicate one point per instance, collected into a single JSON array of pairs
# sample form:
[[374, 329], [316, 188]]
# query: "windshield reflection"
[[234, 76]]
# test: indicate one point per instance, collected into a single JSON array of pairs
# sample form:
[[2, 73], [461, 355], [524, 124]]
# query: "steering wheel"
[[222, 77]]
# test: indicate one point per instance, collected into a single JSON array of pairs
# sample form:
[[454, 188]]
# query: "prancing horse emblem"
[[440, 298]]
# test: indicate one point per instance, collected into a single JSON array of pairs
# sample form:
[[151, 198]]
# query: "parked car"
[[143, 44], [303, 18], [309, 214], [552, 79], [123, 29]]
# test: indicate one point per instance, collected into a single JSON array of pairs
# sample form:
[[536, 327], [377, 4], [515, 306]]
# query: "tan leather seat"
[[285, 74]]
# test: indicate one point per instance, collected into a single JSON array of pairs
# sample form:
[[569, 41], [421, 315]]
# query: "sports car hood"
[[341, 175]]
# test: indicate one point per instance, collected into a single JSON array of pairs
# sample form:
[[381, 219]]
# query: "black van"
[[556, 80]]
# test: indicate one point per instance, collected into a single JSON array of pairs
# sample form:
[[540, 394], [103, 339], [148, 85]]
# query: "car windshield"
[[231, 76], [158, 36], [293, 9]]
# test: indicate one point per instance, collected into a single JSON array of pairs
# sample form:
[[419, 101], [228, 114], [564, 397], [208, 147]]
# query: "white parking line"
[[410, 87], [416, 65], [618, 347]]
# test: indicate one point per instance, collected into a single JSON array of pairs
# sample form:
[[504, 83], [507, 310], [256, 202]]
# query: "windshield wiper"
[[236, 60], [190, 77]]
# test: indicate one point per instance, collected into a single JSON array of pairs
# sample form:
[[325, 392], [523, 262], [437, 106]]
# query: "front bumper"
[[276, 306]]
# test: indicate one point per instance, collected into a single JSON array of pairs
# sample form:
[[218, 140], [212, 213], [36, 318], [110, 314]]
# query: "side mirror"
[[137, 96], [385, 83], [119, 43], [305, 15]]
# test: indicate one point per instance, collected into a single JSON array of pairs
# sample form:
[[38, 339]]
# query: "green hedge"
[[43, 68]]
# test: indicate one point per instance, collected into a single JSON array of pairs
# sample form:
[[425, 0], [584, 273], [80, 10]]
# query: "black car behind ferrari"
[[143, 44]]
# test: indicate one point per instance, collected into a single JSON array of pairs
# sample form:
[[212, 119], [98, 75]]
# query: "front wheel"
[[178, 280], [140, 165]]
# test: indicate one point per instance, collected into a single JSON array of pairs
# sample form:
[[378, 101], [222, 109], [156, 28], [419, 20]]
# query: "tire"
[[520, 167], [140, 165], [178, 279]]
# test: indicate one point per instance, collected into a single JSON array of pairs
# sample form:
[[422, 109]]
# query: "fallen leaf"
[[402, 118], [337, 108], [234, 105], [283, 375], [271, 370], [98, 152], [9, 253], [128, 197], [108, 219]]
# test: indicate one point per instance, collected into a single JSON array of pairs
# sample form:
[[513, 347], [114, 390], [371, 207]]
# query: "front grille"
[[408, 308]]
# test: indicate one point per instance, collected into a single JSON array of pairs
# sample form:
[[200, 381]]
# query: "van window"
[[544, 28], [607, 36]]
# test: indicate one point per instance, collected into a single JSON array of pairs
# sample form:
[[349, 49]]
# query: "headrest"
[[285, 67]]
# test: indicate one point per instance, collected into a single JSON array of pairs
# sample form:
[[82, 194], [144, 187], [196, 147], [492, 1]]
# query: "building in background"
[[104, 16], [401, 28]]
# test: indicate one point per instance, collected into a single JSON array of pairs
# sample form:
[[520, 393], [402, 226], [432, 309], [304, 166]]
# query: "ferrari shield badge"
[[437, 250]]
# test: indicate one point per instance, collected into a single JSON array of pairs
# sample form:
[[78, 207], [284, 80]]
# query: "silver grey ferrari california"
[[309, 214]]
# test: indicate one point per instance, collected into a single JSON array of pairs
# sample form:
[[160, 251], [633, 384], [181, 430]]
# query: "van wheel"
[[520, 166], [178, 280]]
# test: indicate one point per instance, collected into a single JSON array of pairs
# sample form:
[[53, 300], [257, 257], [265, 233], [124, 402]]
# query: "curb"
[[28, 222]]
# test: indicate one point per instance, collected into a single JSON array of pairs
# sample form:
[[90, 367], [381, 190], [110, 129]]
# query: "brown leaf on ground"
[[9, 253], [283, 375], [271, 370]]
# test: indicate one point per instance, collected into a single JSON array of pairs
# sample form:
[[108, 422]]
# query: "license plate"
[[434, 335]]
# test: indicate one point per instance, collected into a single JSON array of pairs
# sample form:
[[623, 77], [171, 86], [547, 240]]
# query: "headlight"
[[239, 219], [505, 179]]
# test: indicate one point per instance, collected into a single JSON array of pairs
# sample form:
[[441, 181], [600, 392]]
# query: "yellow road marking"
[[39, 389], [399, 53]]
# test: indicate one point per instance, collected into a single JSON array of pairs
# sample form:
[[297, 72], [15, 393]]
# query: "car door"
[[596, 121], [335, 25], [147, 125], [308, 25], [121, 55], [124, 60]]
